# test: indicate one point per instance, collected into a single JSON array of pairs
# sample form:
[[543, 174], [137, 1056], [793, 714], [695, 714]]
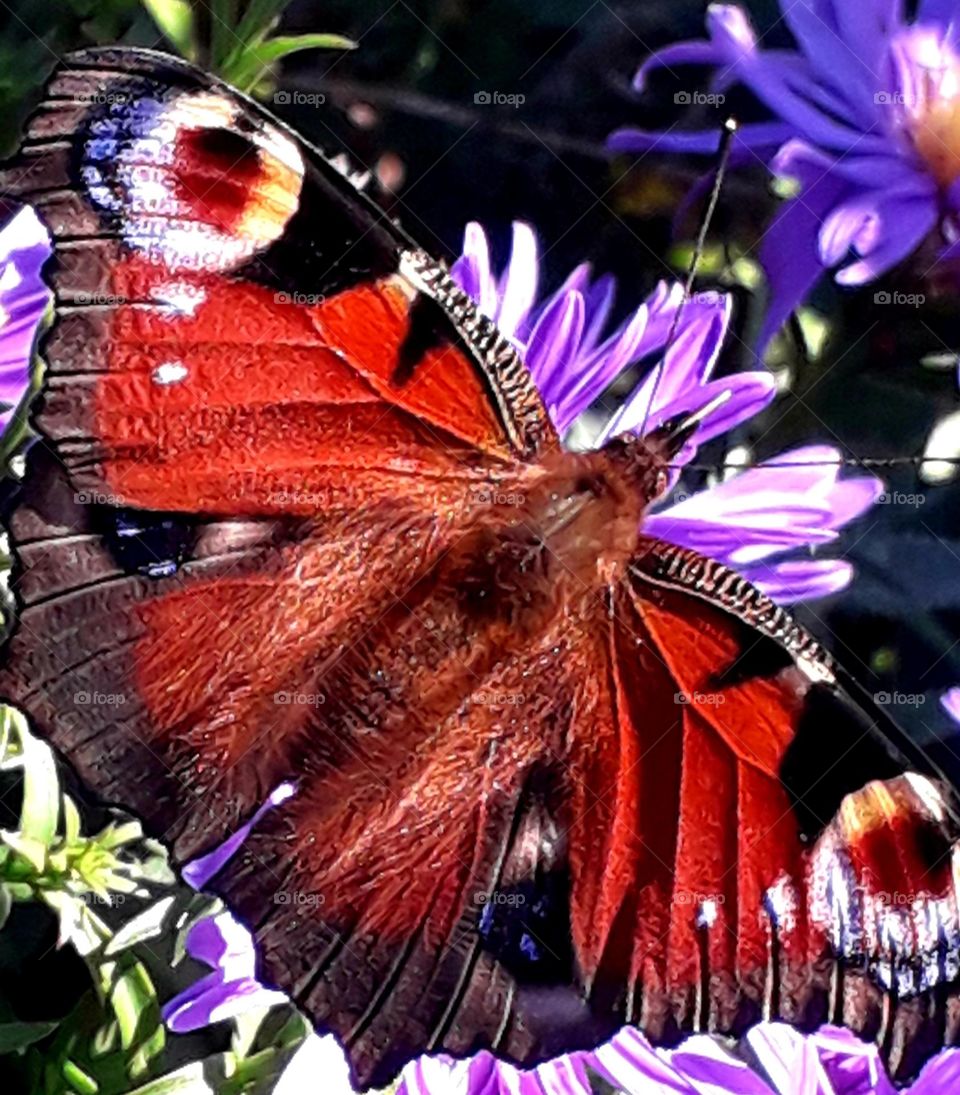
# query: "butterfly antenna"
[[726, 145]]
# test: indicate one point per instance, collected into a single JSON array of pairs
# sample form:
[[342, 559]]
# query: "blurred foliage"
[[118, 921]]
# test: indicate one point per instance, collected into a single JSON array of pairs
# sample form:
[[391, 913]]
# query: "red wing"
[[240, 331], [597, 833]]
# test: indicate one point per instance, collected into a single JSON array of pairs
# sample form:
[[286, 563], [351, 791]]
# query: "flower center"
[[930, 98], [937, 139]]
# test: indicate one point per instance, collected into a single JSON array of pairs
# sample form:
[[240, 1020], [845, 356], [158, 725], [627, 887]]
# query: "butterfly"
[[297, 512]]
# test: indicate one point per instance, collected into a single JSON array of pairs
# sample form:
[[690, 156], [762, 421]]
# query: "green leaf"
[[147, 925], [15, 1037], [134, 1002], [40, 811], [222, 36], [71, 821], [189, 1080], [33, 851], [257, 21], [78, 1080], [283, 45], [6, 904], [175, 18], [116, 835], [249, 66]]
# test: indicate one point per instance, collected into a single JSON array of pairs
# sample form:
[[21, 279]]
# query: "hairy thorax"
[[578, 514]]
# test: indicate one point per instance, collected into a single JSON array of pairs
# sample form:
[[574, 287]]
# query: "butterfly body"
[[300, 512]]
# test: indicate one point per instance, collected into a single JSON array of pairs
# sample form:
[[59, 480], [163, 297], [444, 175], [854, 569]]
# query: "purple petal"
[[835, 62], [852, 1067], [940, 1075], [937, 11], [24, 298], [575, 393], [472, 270], [677, 53], [799, 580], [903, 225], [629, 1062], [553, 344], [231, 989], [710, 1069], [753, 135], [198, 872], [951, 703], [732, 40], [789, 252], [749, 394], [854, 222], [787, 1058], [518, 287], [224, 1001]]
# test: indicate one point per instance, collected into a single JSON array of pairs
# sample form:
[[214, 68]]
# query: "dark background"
[[404, 105]]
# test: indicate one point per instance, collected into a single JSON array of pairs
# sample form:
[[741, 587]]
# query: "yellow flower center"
[[931, 106]]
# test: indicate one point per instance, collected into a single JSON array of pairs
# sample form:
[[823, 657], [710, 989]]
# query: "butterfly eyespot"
[[526, 927], [154, 545], [189, 181]]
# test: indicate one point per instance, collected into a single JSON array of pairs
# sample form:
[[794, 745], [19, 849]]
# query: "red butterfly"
[[282, 508]]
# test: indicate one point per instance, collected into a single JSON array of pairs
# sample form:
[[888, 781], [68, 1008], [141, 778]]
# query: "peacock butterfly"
[[249, 517]]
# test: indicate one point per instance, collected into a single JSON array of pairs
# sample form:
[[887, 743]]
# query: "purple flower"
[[231, 988], [866, 120], [24, 248], [828, 1062], [748, 522], [223, 944], [574, 359], [798, 499], [950, 701]]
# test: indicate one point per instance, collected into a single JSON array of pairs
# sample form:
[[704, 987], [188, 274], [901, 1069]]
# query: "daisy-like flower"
[[24, 248], [784, 1062], [866, 120], [795, 501]]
